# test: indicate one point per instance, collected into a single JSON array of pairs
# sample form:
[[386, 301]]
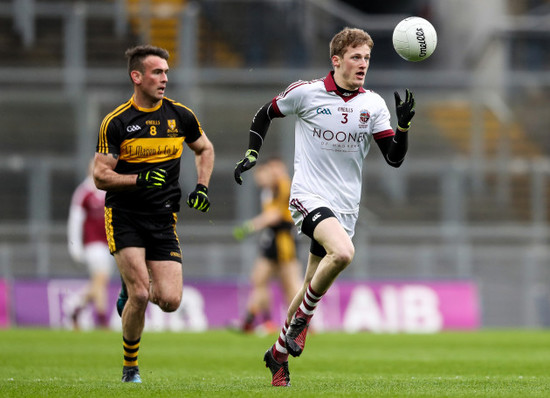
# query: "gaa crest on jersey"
[[364, 116], [172, 128]]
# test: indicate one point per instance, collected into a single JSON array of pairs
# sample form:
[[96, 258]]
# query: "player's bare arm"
[[204, 159], [105, 176], [204, 163], [266, 218]]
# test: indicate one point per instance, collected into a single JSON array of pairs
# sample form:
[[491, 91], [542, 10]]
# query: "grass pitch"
[[46, 363]]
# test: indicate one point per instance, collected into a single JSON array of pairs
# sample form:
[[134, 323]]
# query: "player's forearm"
[[398, 148], [106, 178], [258, 130], [109, 180], [204, 162], [260, 126], [266, 219], [74, 231]]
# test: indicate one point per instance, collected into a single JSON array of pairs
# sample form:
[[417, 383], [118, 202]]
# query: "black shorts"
[[310, 223], [278, 245], [155, 232]]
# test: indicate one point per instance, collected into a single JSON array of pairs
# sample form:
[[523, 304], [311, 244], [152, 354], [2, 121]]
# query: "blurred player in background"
[[336, 122], [137, 162], [88, 245], [277, 244]]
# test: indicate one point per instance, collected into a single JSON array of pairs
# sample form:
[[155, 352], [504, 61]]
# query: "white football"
[[414, 39]]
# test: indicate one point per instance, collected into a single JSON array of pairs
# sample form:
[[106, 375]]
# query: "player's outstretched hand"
[[155, 178], [244, 164], [242, 231], [404, 110], [198, 199]]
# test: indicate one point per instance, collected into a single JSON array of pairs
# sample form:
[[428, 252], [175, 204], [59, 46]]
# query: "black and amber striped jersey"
[[278, 242], [144, 138], [277, 199]]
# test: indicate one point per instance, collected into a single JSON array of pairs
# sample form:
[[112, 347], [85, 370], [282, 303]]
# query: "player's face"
[[262, 176], [152, 82], [351, 69]]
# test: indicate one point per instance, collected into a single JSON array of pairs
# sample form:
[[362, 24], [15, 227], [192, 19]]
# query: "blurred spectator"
[[277, 244], [88, 245]]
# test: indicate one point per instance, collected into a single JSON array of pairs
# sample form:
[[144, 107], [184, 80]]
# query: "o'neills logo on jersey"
[[339, 136]]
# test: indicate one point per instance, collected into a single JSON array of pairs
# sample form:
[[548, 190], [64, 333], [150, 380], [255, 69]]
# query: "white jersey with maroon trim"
[[86, 223], [333, 134]]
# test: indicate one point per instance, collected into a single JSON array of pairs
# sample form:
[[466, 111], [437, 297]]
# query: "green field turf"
[[38, 363]]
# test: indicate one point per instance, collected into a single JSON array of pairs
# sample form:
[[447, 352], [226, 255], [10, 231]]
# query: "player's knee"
[[169, 303], [342, 257], [140, 297]]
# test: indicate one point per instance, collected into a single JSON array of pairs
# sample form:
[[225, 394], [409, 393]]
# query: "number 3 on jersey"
[[345, 118]]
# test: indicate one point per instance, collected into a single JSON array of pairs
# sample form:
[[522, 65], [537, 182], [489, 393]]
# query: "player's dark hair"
[[137, 54], [349, 37]]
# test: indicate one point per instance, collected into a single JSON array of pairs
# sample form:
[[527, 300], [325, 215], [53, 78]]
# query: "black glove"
[[244, 164], [404, 110], [155, 178], [198, 199]]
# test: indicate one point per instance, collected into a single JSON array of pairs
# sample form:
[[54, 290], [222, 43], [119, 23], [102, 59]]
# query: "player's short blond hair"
[[349, 37]]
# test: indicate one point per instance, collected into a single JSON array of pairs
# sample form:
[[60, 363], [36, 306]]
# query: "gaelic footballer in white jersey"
[[336, 122], [333, 134]]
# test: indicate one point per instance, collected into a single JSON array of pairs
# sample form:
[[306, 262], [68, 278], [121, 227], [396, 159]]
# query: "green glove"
[[198, 199], [405, 110], [155, 178], [243, 231], [244, 164]]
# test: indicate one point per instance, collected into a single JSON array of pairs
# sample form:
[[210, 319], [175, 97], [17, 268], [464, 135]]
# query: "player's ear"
[[335, 61], [135, 75]]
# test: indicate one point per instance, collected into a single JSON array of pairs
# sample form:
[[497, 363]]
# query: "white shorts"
[[98, 259], [301, 206]]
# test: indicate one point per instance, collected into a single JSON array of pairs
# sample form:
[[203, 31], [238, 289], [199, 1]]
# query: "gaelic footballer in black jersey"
[[143, 138]]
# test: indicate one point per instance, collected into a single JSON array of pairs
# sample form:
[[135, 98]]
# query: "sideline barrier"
[[352, 306], [4, 305]]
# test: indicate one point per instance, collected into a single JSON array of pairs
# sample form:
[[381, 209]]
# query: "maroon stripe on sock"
[[311, 298], [314, 292], [279, 356], [308, 307], [283, 332]]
